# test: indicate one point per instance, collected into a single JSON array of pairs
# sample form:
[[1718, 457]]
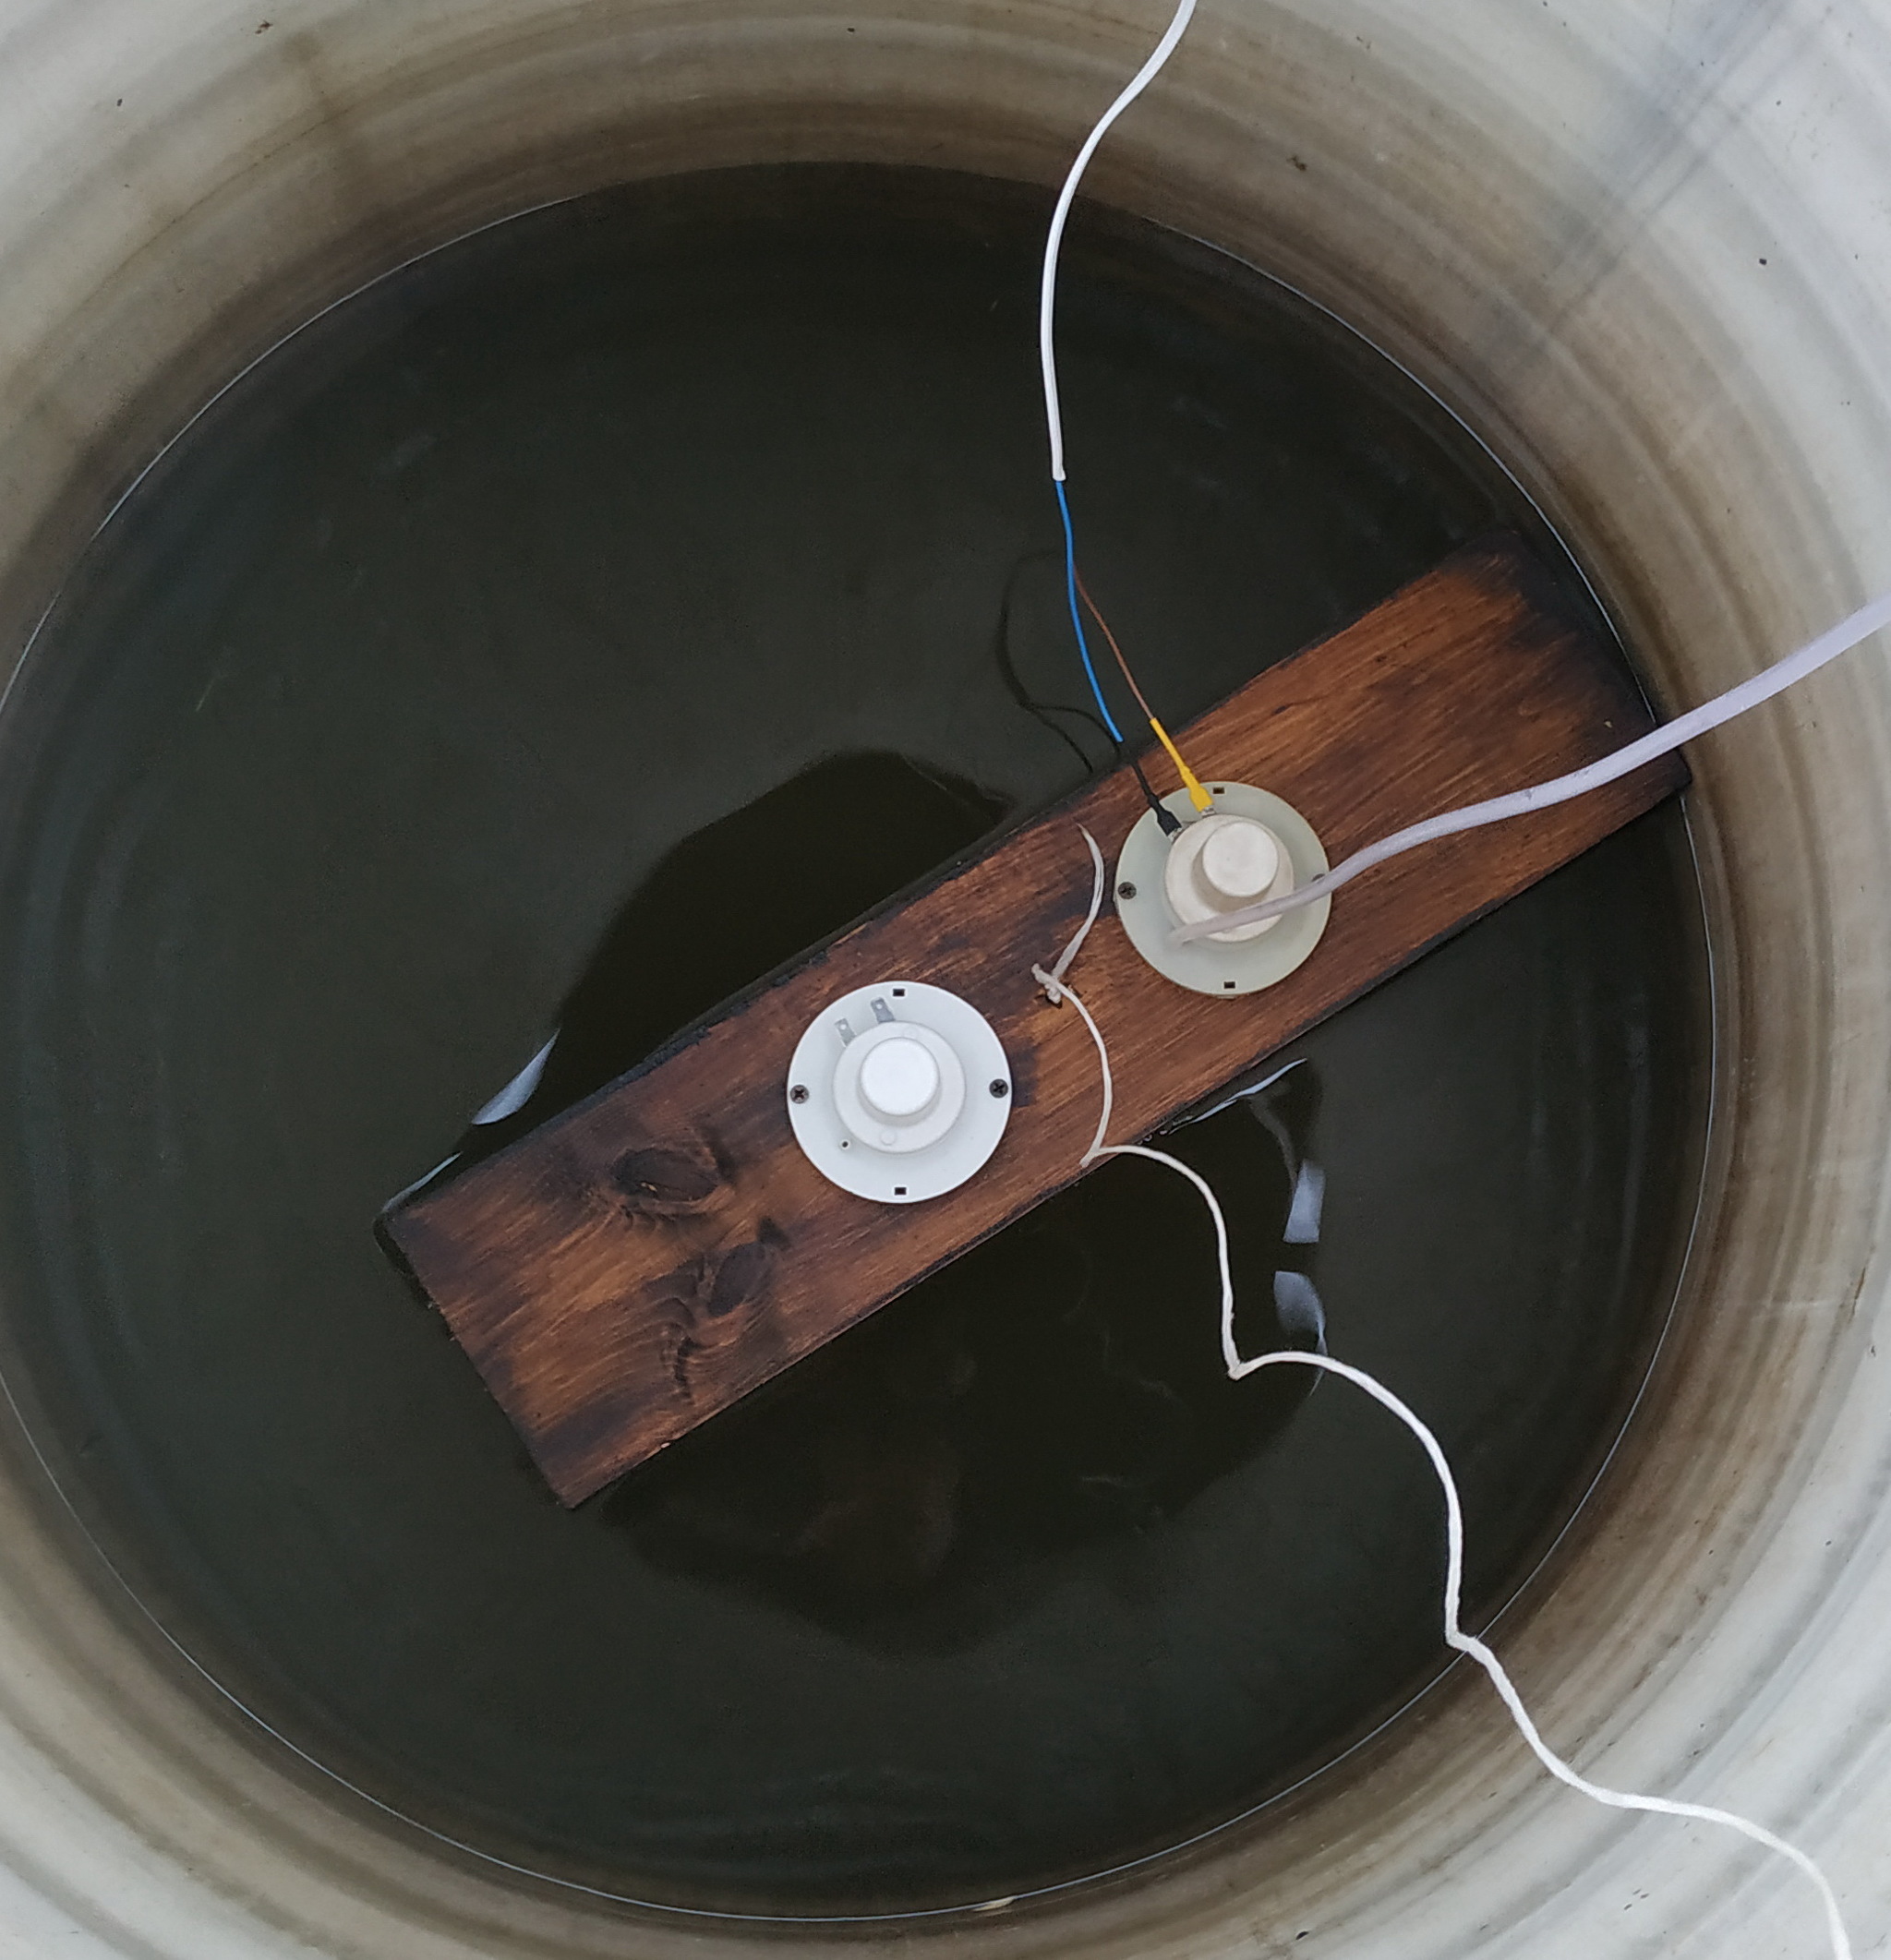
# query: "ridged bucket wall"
[[1646, 252]]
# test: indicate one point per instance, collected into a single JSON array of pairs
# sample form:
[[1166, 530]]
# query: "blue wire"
[[1076, 613]]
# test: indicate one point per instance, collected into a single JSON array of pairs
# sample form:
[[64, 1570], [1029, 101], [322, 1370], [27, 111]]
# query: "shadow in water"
[[917, 1479]]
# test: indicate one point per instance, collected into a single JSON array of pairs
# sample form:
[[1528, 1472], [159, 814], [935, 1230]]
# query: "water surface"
[[701, 529]]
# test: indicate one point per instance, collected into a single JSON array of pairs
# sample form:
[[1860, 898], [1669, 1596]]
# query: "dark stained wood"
[[642, 1261]]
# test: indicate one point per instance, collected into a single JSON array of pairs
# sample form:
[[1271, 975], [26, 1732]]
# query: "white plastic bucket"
[[1646, 251]]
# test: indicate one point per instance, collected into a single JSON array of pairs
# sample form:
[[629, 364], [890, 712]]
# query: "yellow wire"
[[1196, 794], [1191, 781]]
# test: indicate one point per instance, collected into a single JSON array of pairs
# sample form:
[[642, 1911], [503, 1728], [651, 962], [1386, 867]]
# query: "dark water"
[[702, 529]]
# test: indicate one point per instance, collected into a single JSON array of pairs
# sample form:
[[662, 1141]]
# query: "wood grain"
[[642, 1261]]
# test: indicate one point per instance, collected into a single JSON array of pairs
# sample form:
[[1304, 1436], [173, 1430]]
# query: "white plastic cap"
[[900, 1085], [1222, 861], [1159, 886], [1237, 863], [900, 1080]]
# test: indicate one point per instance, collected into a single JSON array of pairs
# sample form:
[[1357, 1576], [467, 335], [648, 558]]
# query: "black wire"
[[1167, 822], [1041, 711]]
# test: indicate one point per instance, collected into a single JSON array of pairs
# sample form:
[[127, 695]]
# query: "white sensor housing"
[[1250, 846], [899, 1091]]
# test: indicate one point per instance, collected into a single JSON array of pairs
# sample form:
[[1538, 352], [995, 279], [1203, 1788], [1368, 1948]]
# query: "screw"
[[1000, 1086], [1126, 890], [799, 1093]]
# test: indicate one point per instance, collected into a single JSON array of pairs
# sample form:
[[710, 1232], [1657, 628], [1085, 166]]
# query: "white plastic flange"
[[1252, 844], [899, 1091]]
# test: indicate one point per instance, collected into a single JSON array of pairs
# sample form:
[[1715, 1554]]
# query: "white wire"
[[1749, 694], [1467, 1643], [1454, 1635], [1660, 741], [1047, 298]]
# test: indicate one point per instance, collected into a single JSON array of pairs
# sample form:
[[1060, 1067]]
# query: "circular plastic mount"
[[1211, 965], [899, 1091]]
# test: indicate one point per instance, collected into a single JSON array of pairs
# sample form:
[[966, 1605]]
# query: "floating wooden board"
[[647, 1258]]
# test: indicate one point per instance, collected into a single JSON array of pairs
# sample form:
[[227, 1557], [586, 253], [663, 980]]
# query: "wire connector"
[[1199, 797]]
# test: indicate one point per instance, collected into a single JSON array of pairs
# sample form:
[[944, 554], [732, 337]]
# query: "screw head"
[[1126, 890], [1000, 1086], [799, 1093]]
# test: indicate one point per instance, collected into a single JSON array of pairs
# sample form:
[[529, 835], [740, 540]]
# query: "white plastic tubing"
[[1660, 741], [1724, 708]]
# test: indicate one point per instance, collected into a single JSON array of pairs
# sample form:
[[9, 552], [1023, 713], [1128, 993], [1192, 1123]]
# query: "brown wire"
[[1199, 797], [1083, 593]]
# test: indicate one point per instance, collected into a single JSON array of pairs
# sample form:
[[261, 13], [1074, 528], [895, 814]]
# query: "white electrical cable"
[[1467, 1643], [1660, 741], [1239, 1368], [1047, 298], [1749, 694]]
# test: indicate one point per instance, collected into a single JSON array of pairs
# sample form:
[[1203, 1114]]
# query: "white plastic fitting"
[[899, 1086], [1250, 846], [899, 1091], [1223, 861]]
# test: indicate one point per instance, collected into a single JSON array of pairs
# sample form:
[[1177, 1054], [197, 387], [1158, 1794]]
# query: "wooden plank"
[[644, 1260]]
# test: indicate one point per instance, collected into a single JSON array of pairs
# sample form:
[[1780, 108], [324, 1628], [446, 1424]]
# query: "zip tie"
[[1053, 980]]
